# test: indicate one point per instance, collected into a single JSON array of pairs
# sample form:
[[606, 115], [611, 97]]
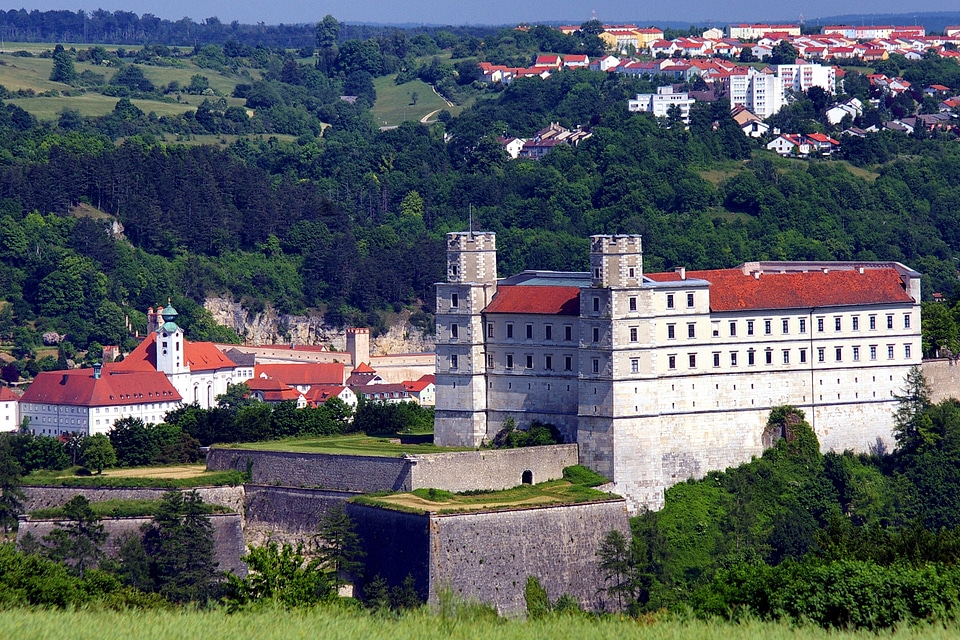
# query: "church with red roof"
[[164, 371], [664, 376]]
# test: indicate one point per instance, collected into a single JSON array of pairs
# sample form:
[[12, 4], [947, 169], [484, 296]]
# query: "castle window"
[[567, 332], [454, 331], [489, 329], [751, 357], [691, 330], [671, 331], [490, 361], [596, 365], [454, 361], [596, 272], [509, 330], [672, 362], [906, 321], [890, 352], [716, 359], [786, 325], [803, 325], [767, 327], [733, 358], [733, 329], [630, 273], [529, 362], [786, 356], [633, 334], [890, 322], [529, 332], [839, 354], [692, 358], [689, 300], [669, 301], [768, 356], [633, 303], [548, 363], [873, 352], [803, 355], [856, 323], [509, 361], [906, 351], [819, 325], [873, 323], [454, 300], [596, 304], [856, 353], [837, 320], [634, 366], [567, 363], [548, 332], [749, 327]]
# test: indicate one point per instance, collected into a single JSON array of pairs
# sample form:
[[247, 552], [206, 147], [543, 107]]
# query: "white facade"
[[56, 420], [800, 77], [663, 377], [659, 103], [761, 94], [9, 410]]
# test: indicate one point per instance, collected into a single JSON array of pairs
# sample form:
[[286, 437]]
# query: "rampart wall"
[[44, 497], [488, 556], [943, 376], [286, 514], [227, 535], [455, 471]]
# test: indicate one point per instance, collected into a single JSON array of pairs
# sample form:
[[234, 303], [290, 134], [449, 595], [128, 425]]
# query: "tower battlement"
[[616, 261], [472, 257]]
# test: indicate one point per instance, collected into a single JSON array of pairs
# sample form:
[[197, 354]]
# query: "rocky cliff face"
[[269, 327]]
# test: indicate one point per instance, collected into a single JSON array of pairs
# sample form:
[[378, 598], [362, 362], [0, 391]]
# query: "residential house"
[[661, 103], [790, 144], [321, 393], [821, 143], [852, 108], [423, 391], [9, 410], [750, 124], [272, 391], [511, 145]]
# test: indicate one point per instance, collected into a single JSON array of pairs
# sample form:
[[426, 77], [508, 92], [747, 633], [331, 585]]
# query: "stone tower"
[[616, 433], [358, 345], [461, 402]]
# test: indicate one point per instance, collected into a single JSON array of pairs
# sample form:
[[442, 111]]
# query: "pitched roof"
[[303, 373], [321, 393], [6, 395], [734, 290], [78, 387], [416, 386], [272, 390], [200, 356], [564, 301], [363, 367]]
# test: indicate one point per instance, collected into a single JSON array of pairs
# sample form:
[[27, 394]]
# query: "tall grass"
[[345, 624]]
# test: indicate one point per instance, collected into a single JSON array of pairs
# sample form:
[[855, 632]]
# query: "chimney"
[[96, 370], [682, 271]]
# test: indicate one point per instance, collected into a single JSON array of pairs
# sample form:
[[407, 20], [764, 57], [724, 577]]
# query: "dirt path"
[[425, 119], [449, 104], [179, 471]]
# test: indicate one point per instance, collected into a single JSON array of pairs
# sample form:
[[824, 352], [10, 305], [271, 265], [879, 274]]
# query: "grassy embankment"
[[354, 444], [343, 624], [181, 476], [121, 509]]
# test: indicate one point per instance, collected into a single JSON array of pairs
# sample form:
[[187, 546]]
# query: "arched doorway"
[[527, 477]]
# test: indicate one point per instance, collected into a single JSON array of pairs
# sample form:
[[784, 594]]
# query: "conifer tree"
[[63, 69]]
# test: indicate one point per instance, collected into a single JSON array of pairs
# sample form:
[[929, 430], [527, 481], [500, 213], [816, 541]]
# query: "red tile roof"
[[303, 373], [321, 393], [6, 395], [363, 367], [78, 387], [563, 301], [200, 356], [416, 386], [732, 290], [272, 390]]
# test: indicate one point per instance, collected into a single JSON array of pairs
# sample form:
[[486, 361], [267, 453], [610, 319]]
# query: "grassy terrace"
[[353, 444], [182, 476], [121, 509], [576, 486]]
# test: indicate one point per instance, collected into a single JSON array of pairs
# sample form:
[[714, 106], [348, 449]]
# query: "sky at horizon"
[[494, 12]]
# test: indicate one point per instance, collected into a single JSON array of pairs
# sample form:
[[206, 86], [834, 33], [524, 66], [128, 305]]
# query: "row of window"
[[785, 326], [528, 331], [510, 362], [785, 355]]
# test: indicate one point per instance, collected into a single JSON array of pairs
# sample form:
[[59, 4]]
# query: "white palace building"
[[660, 377]]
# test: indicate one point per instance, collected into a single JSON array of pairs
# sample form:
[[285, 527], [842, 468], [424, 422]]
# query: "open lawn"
[[174, 471], [353, 444], [395, 102], [538, 495], [92, 104], [450, 623], [220, 140], [117, 508]]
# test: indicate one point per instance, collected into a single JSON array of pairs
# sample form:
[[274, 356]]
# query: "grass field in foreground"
[[420, 625], [353, 444]]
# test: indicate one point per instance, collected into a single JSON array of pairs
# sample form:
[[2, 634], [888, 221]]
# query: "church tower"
[[461, 401], [171, 358]]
